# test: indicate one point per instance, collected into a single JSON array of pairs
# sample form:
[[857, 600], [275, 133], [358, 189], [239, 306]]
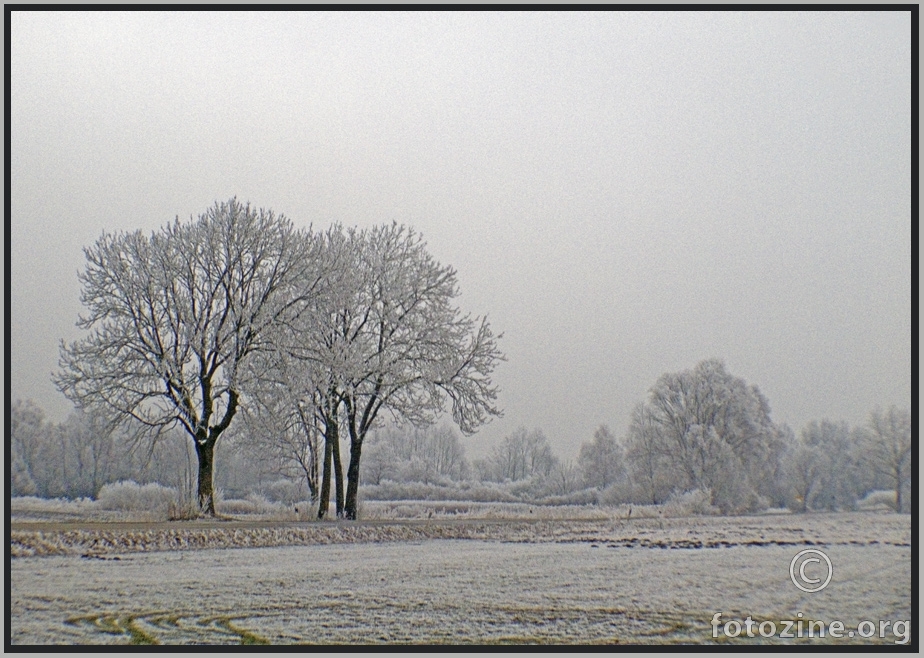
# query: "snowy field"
[[650, 581]]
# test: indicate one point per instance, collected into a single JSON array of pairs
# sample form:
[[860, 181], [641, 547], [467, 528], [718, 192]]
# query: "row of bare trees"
[[305, 335], [707, 431], [830, 465], [704, 429], [76, 457]]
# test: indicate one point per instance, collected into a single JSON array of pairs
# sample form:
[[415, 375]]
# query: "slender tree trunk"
[[898, 489], [324, 500], [312, 487], [338, 471], [312, 484], [206, 451], [311, 469], [353, 479]]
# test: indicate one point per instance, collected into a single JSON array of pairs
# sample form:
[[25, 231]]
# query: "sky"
[[623, 194]]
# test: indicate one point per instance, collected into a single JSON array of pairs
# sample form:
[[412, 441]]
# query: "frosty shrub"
[[478, 492], [25, 505], [253, 504], [878, 500], [621, 493], [129, 496], [286, 491], [692, 503], [527, 489], [238, 506], [583, 497], [485, 492]]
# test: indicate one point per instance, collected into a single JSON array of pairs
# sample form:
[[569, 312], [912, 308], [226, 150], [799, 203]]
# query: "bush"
[[254, 504], [621, 493], [583, 497], [477, 492], [691, 503], [878, 500], [129, 496], [286, 491]]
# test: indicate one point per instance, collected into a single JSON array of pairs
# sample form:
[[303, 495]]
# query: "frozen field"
[[574, 585]]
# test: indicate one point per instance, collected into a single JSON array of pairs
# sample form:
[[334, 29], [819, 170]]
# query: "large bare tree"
[[706, 429], [314, 360], [384, 335], [173, 316], [415, 351]]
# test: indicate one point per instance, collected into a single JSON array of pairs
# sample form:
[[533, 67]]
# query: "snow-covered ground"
[[577, 582]]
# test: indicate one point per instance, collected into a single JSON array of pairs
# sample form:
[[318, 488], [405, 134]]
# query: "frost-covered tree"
[[521, 455], [95, 458], [21, 482], [415, 352], [431, 455], [27, 431], [888, 449], [601, 461], [704, 429], [804, 468], [297, 408], [173, 316], [564, 479], [278, 431], [383, 334], [649, 466], [823, 467], [316, 358]]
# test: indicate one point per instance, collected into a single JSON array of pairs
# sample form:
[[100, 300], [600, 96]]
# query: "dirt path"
[[239, 524], [96, 538]]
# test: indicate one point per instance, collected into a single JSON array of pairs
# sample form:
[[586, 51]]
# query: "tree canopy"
[[239, 308]]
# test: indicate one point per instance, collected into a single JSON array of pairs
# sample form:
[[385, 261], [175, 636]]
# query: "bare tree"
[[522, 455], [889, 448], [649, 467], [430, 455], [564, 478], [316, 356], [27, 430], [444, 454], [92, 447], [411, 350], [281, 434], [601, 460], [825, 466], [174, 315], [804, 469]]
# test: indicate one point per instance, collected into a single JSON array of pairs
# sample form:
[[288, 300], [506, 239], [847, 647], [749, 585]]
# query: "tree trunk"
[[353, 479], [311, 469], [338, 471], [898, 489], [206, 451], [312, 487], [324, 500]]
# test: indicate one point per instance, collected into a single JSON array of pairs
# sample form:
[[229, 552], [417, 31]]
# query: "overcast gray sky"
[[624, 194]]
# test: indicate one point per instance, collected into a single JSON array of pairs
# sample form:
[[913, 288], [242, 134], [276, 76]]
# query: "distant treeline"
[[702, 435]]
